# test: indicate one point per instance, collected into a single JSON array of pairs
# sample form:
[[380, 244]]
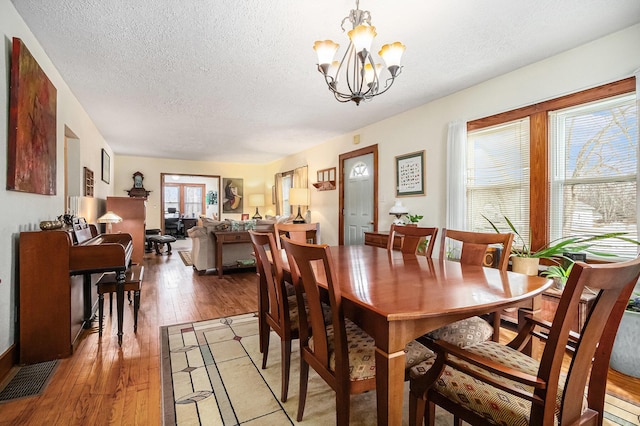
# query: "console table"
[[228, 237], [380, 238]]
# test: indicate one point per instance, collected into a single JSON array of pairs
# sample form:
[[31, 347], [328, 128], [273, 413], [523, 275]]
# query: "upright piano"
[[57, 296]]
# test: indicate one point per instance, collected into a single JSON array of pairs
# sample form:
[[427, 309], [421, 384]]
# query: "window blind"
[[593, 168], [497, 181]]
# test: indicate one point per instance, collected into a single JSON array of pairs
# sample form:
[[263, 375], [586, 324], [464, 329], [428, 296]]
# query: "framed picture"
[[31, 160], [106, 167], [232, 202], [410, 179], [245, 216]]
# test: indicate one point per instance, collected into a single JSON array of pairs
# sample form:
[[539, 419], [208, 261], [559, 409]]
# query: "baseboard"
[[7, 361]]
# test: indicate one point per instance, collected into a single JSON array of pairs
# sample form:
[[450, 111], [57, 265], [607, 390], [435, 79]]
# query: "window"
[[594, 158], [286, 186], [498, 176], [359, 170], [581, 171], [187, 199]]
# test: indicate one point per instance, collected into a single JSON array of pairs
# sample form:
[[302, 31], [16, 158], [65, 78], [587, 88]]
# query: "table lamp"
[[299, 197], [256, 200], [398, 210], [109, 218]]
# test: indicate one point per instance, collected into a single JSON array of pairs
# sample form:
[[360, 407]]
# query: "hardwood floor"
[[105, 384]]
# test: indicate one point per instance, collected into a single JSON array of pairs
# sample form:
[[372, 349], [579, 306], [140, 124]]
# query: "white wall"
[[22, 211], [605, 60]]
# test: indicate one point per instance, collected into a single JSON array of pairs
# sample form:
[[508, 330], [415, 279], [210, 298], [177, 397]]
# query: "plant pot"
[[525, 265], [625, 357]]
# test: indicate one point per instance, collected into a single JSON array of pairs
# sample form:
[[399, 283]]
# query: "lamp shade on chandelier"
[[357, 76]]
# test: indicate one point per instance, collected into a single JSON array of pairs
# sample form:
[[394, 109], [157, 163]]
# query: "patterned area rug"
[[211, 375], [186, 258]]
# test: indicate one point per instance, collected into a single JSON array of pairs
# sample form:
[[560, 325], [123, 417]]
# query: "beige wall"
[[125, 166]]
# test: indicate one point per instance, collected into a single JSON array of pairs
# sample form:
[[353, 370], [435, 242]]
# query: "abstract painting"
[[31, 162]]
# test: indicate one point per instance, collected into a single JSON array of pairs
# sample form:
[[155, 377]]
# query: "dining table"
[[397, 297]]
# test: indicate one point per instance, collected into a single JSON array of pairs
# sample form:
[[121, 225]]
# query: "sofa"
[[203, 247]]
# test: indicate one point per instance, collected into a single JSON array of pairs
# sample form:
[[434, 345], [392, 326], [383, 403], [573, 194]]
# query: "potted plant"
[[414, 219], [625, 357], [553, 250], [558, 273]]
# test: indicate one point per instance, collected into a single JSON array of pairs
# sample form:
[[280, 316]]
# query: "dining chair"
[[412, 236], [498, 384], [302, 232], [473, 252], [277, 310], [341, 353]]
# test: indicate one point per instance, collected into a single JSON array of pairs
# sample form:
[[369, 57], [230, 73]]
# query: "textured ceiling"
[[230, 80]]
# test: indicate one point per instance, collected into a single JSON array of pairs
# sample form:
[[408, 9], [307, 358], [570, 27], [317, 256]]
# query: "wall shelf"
[[326, 179]]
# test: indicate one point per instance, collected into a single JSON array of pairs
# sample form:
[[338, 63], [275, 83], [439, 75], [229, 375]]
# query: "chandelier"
[[357, 67]]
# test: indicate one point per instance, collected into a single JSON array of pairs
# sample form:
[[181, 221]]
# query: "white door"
[[358, 198]]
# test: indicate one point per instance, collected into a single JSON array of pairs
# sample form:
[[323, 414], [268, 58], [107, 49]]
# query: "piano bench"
[[107, 284], [159, 240]]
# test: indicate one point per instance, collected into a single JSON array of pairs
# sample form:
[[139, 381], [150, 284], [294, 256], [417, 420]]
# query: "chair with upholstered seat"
[[412, 237], [341, 353], [490, 383], [301, 232], [278, 311], [474, 248]]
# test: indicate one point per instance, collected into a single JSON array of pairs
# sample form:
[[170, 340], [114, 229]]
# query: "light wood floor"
[[104, 384]]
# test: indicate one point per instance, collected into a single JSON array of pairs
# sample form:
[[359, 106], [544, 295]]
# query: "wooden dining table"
[[397, 297]]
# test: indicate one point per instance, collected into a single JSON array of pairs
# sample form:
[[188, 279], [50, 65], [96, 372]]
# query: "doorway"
[[184, 198], [358, 195]]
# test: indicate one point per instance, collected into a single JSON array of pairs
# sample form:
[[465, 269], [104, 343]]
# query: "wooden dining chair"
[[412, 236], [498, 384], [278, 311], [474, 250], [341, 353], [301, 232]]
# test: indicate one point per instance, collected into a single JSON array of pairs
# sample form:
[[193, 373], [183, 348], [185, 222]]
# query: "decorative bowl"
[[48, 225]]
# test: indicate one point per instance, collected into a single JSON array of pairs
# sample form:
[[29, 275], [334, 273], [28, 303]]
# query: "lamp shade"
[[299, 196], [398, 209], [109, 217], [256, 200]]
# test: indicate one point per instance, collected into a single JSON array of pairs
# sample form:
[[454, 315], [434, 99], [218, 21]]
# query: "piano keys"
[[57, 295]]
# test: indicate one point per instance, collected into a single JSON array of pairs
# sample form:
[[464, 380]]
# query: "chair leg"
[[416, 410], [430, 414], [100, 313], [496, 326], [343, 405], [304, 378], [136, 308], [265, 354], [285, 354], [110, 304]]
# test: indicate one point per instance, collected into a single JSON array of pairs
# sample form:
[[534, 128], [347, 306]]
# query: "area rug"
[[186, 258], [211, 375]]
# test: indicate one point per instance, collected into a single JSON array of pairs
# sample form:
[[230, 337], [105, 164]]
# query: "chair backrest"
[[614, 284], [269, 263], [300, 232], [412, 236], [475, 244], [307, 263]]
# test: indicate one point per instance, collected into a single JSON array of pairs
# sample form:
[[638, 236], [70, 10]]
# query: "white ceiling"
[[231, 80]]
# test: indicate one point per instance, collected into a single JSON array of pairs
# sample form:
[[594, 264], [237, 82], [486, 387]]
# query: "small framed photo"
[[245, 216], [106, 167], [410, 180]]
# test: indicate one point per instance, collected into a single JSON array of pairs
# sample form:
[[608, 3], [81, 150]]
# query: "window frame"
[[539, 191]]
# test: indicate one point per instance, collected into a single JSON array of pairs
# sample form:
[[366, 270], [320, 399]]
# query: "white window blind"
[[594, 160], [498, 177]]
